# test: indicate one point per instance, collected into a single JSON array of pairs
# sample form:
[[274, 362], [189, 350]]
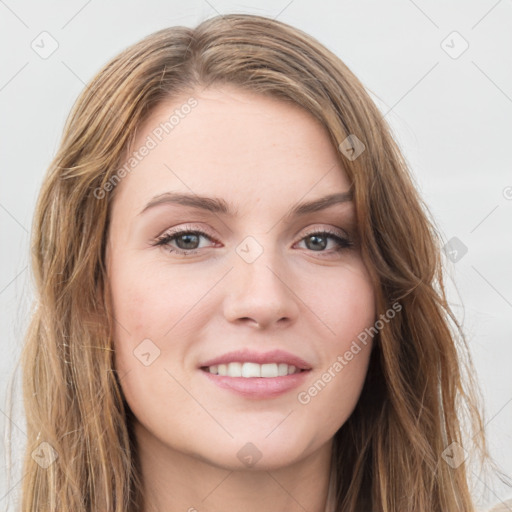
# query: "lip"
[[258, 387], [250, 356]]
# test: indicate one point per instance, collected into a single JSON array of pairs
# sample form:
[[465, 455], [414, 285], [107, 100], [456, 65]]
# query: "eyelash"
[[166, 238]]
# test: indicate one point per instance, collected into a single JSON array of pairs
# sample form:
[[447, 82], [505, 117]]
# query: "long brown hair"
[[419, 396]]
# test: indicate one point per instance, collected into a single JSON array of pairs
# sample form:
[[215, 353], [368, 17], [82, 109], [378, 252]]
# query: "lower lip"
[[258, 387]]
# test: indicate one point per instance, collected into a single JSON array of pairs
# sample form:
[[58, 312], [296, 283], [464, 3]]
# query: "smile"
[[250, 370], [252, 385]]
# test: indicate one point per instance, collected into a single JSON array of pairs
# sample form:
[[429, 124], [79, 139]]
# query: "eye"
[[317, 241], [188, 241]]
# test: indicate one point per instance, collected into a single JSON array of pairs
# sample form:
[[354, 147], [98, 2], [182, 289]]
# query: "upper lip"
[[249, 356]]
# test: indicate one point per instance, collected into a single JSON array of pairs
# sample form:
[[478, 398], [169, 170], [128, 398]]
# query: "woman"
[[240, 294]]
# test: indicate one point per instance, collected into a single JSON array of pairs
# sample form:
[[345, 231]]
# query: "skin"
[[262, 156]]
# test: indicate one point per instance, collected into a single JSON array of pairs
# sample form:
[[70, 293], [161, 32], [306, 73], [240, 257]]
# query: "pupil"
[[187, 240], [316, 238]]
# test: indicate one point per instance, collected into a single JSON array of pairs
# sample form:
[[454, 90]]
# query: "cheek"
[[347, 309], [345, 304], [147, 308], [151, 304], [155, 316]]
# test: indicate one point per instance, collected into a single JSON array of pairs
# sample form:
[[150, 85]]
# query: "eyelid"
[[329, 229], [186, 227], [343, 241], [311, 230]]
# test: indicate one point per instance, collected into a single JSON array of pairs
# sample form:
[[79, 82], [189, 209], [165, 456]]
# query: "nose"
[[261, 293]]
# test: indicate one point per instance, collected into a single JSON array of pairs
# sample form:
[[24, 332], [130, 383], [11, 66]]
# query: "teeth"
[[249, 370]]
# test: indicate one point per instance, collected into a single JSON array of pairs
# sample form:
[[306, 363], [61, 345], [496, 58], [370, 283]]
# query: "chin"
[[258, 451]]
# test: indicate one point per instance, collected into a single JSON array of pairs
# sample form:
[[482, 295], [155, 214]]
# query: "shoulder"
[[504, 506]]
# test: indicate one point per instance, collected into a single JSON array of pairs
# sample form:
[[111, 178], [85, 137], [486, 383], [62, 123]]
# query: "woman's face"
[[217, 255]]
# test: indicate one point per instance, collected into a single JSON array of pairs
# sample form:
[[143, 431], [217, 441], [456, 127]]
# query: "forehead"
[[231, 143]]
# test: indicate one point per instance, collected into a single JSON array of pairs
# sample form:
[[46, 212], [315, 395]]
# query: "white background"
[[451, 116]]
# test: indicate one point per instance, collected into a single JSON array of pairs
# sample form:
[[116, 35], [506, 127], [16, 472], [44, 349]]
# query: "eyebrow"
[[217, 205]]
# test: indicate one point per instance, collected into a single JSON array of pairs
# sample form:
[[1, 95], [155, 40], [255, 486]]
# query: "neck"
[[175, 481]]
